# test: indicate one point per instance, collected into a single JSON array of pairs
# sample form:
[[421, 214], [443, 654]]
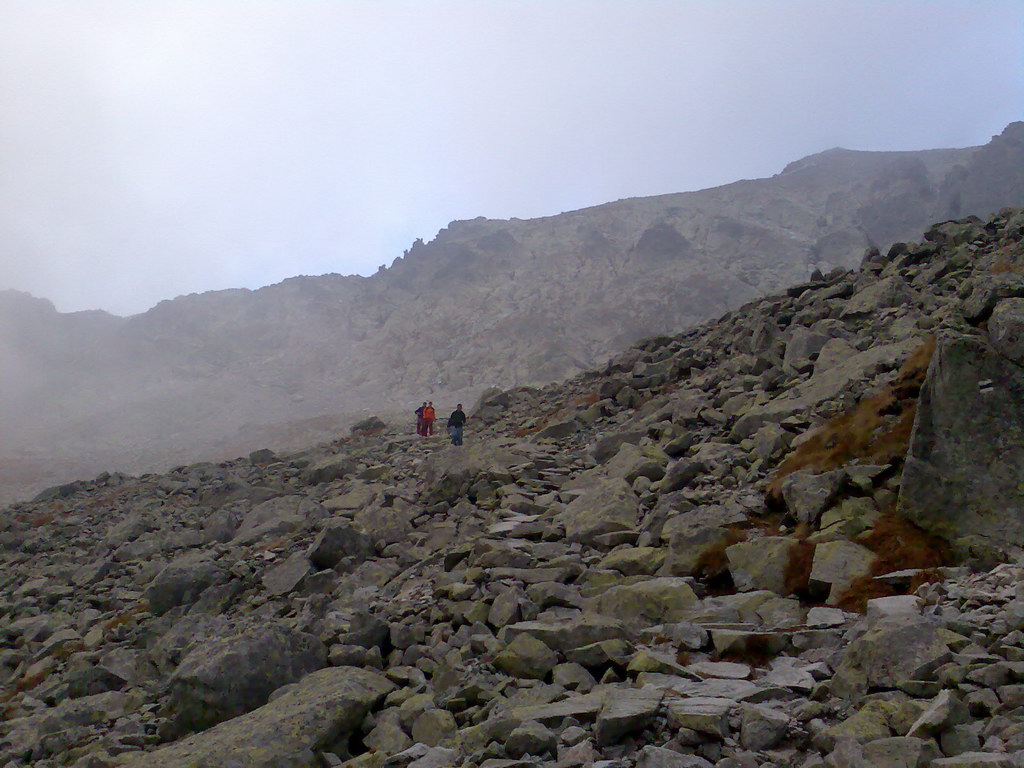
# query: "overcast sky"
[[151, 149]]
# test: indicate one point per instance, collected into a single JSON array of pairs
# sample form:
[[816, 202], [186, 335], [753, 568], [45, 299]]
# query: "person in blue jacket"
[[455, 424]]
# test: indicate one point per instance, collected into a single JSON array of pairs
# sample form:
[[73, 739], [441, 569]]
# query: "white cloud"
[[152, 149]]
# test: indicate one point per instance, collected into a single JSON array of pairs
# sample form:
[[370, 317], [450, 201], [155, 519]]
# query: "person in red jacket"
[[428, 419]]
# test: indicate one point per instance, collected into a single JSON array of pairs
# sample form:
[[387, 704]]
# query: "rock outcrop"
[[963, 478]]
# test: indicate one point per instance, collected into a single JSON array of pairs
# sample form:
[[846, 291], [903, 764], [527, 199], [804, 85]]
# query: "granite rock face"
[[539, 300], [963, 474], [547, 598]]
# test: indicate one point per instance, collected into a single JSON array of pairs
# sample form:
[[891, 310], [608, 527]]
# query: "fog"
[[153, 149]]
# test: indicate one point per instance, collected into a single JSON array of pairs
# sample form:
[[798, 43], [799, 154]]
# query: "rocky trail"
[[790, 537]]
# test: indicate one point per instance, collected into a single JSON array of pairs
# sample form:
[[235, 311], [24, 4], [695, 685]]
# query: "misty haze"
[[486, 303], [511, 385]]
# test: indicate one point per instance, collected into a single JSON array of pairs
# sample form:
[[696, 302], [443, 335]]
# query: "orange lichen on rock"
[[876, 430]]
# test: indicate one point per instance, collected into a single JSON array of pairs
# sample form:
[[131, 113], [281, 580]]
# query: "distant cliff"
[[486, 302]]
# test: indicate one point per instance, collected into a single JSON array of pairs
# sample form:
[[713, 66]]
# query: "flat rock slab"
[[726, 669], [584, 708], [820, 616], [791, 678], [740, 642], [285, 577], [713, 688], [531, 575], [659, 757], [569, 633], [287, 732], [975, 760]]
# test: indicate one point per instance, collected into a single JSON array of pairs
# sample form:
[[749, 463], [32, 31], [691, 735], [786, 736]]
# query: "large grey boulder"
[[182, 581], [987, 290], [760, 416], [527, 657], [760, 563], [434, 727], [834, 352], [976, 760], [356, 497], [688, 547], [229, 676], [1006, 330], [531, 738], [330, 469], [286, 576], [608, 445], [802, 347], [826, 383], [808, 494], [278, 516], [962, 477], [945, 711], [339, 539], [909, 648], [449, 474], [900, 752], [762, 727], [632, 462], [711, 458], [695, 532], [837, 564], [130, 528], [606, 505], [628, 711], [386, 524], [318, 714], [682, 473], [655, 601], [558, 430], [890, 292], [183, 635]]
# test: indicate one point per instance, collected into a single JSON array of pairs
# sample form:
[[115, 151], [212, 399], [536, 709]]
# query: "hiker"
[[419, 418], [428, 419], [455, 423]]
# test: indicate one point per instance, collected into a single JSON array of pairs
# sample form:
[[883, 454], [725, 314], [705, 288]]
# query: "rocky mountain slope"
[[786, 538], [484, 303]]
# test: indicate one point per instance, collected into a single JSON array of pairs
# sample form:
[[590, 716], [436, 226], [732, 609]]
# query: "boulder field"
[[790, 537]]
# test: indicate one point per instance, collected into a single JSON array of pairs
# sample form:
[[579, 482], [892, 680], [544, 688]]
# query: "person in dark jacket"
[[419, 418], [455, 424]]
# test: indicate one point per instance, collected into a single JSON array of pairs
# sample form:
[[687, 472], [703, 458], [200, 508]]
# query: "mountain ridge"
[[484, 303]]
